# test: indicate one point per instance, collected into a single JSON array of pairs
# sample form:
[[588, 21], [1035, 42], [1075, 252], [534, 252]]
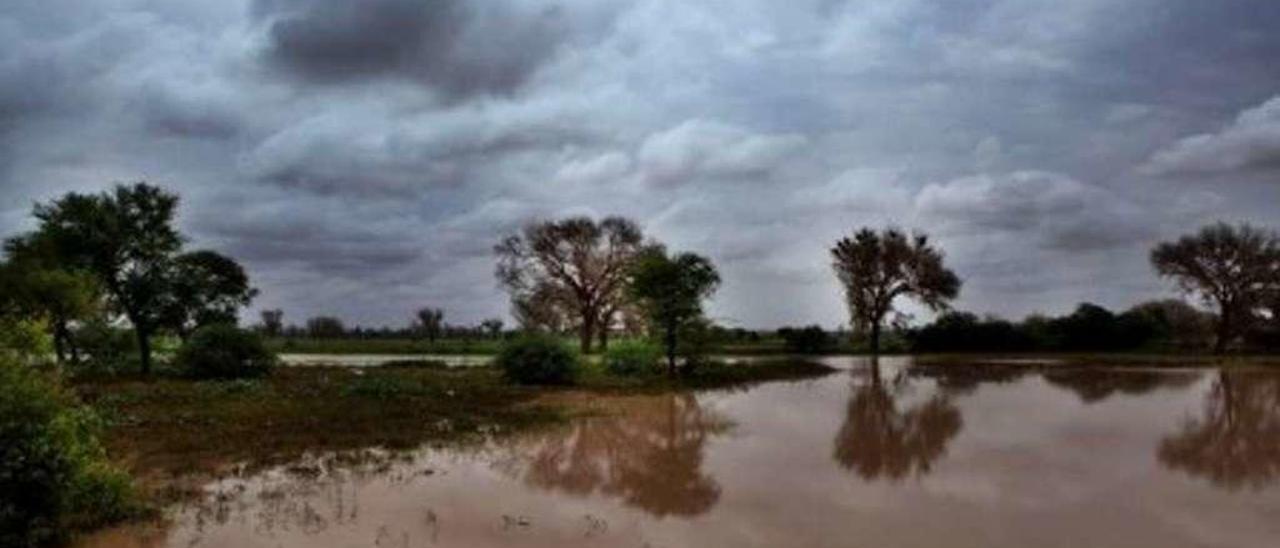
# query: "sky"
[[362, 158]]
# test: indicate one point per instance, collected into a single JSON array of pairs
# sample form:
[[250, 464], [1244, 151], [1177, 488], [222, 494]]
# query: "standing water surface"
[[896, 455]]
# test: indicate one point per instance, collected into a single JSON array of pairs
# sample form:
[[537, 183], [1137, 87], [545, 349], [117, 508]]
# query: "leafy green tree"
[[126, 239], [671, 289], [39, 287], [574, 268], [207, 288], [877, 268], [1234, 268], [52, 296]]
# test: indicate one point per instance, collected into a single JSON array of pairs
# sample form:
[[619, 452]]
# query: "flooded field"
[[897, 455]]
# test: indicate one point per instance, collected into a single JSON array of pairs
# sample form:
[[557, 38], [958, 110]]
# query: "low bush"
[[632, 358], [54, 475], [24, 340], [225, 352], [538, 359], [104, 349], [806, 340]]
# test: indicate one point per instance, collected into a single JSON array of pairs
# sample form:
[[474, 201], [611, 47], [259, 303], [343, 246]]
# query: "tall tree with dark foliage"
[[1233, 268], [878, 267]]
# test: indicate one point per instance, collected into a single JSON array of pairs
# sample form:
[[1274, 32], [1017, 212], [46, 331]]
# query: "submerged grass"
[[173, 433], [167, 427]]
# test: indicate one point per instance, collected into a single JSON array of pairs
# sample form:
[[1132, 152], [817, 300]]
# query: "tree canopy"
[[1234, 268], [670, 289], [122, 242], [877, 268], [569, 272]]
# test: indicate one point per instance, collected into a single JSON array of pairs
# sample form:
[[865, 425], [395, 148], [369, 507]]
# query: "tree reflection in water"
[[648, 454], [878, 439], [1236, 442], [1095, 384]]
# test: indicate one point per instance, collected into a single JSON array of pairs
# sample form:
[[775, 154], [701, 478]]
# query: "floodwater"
[[898, 455]]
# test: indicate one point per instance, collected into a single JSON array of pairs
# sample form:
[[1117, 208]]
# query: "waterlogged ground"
[[902, 455]]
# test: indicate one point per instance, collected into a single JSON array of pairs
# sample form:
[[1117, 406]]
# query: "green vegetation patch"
[[171, 426], [55, 478]]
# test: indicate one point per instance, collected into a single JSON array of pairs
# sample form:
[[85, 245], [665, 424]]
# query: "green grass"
[[168, 426]]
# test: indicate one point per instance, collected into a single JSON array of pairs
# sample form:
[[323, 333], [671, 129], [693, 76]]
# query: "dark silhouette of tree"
[[1236, 442], [1094, 384], [430, 322], [207, 288], [492, 327], [325, 327], [571, 268], [273, 322], [962, 378], [670, 289], [126, 239], [877, 268], [1176, 324], [649, 455], [1231, 267], [805, 340], [878, 439]]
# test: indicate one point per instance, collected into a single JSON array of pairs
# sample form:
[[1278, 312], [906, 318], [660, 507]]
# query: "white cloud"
[[704, 148], [1251, 142]]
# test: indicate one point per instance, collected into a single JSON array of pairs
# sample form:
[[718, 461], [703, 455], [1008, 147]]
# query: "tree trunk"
[[875, 338], [1223, 332], [671, 350], [71, 345], [144, 349], [60, 341], [587, 332]]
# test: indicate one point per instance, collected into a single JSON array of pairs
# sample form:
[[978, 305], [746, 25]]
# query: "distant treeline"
[[1154, 326]]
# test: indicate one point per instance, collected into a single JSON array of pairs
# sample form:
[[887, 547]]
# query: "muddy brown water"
[[901, 455]]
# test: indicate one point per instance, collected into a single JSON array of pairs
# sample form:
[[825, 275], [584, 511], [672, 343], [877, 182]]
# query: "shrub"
[[54, 475], [225, 352], [538, 359], [104, 350], [25, 340], [632, 358], [805, 340]]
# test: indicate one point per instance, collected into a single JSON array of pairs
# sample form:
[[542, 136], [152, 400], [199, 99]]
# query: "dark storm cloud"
[[458, 47], [362, 157]]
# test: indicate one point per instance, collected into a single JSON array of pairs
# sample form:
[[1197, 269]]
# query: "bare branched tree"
[[568, 271]]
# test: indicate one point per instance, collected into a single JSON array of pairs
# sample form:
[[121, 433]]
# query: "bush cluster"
[[538, 359], [54, 475], [225, 352], [632, 358]]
